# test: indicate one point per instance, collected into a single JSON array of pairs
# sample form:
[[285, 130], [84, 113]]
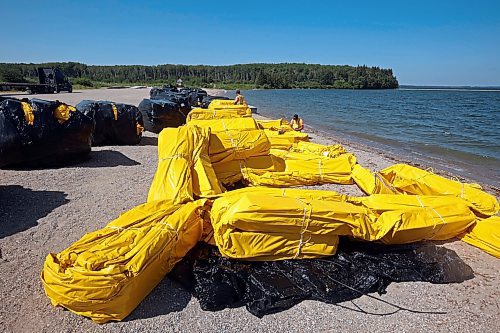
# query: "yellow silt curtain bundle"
[[274, 124], [108, 272], [231, 172], [275, 224], [284, 139], [485, 234], [184, 168], [407, 179], [318, 149], [305, 169], [209, 114], [234, 139]]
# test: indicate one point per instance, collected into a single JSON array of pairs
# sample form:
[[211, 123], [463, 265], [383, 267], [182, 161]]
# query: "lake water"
[[453, 130]]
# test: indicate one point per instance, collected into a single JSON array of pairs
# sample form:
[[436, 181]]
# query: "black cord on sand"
[[398, 307]]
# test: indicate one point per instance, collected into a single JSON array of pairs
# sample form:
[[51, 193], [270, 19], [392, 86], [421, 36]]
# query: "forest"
[[245, 76]]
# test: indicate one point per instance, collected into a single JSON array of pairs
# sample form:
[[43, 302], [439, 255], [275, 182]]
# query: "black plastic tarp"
[[160, 113], [46, 142], [110, 128], [274, 286]]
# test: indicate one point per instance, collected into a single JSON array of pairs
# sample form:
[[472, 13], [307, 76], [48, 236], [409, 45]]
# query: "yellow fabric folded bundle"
[[284, 139], [318, 149], [407, 179], [108, 272], [234, 139], [219, 110], [274, 124], [305, 169], [485, 234], [275, 224], [184, 167], [231, 172]]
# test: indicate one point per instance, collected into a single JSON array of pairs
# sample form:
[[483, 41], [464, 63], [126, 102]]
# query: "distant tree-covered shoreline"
[[267, 76]]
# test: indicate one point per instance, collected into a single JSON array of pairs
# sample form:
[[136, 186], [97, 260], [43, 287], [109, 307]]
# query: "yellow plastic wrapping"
[[485, 234], [108, 272], [29, 116], [231, 172], [306, 169], [368, 182], [271, 123], [220, 103], [407, 179], [184, 168], [226, 112], [248, 223], [234, 139], [63, 112], [285, 139], [318, 149]]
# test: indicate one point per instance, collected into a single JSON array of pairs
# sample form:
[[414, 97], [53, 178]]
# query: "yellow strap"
[[28, 113], [115, 111], [140, 129], [62, 112]]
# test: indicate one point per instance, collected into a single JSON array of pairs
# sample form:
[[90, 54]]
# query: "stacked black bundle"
[[273, 286], [161, 113], [42, 133], [115, 123]]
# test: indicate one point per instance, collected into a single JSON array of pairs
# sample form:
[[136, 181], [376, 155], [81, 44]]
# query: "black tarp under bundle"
[[273, 286], [115, 123], [205, 102], [160, 113], [45, 142]]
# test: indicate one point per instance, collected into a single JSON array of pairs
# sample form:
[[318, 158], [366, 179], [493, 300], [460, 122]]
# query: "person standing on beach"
[[297, 123], [179, 82], [239, 100]]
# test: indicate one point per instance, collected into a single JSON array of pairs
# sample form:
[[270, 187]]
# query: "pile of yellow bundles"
[[108, 272], [485, 234], [184, 167], [234, 139], [407, 179]]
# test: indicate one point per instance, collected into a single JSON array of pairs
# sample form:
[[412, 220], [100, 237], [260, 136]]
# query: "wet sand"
[[46, 210]]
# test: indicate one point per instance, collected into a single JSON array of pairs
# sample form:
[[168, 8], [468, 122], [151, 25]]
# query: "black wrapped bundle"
[[161, 113], [115, 123], [274, 286], [42, 139]]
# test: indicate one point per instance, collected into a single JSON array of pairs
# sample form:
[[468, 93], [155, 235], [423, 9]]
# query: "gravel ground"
[[46, 210]]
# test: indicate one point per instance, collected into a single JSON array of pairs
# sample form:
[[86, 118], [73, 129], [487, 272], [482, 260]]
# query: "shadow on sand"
[[21, 208], [148, 141], [106, 158], [167, 297]]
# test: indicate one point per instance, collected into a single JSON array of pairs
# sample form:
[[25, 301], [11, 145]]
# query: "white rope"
[[303, 228]]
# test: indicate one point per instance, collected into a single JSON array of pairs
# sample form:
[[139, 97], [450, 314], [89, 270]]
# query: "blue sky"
[[424, 42]]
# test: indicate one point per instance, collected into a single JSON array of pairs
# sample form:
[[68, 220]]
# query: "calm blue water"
[[455, 130]]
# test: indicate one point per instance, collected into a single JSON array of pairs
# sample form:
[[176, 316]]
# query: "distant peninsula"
[[244, 76]]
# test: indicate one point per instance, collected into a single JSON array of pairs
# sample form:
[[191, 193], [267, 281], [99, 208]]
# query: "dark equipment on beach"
[[115, 123], [161, 113], [42, 140], [273, 286], [185, 98], [205, 102], [52, 80]]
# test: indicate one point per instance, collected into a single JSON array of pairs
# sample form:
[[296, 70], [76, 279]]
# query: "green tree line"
[[273, 76]]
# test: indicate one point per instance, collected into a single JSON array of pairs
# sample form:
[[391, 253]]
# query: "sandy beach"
[[46, 210]]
